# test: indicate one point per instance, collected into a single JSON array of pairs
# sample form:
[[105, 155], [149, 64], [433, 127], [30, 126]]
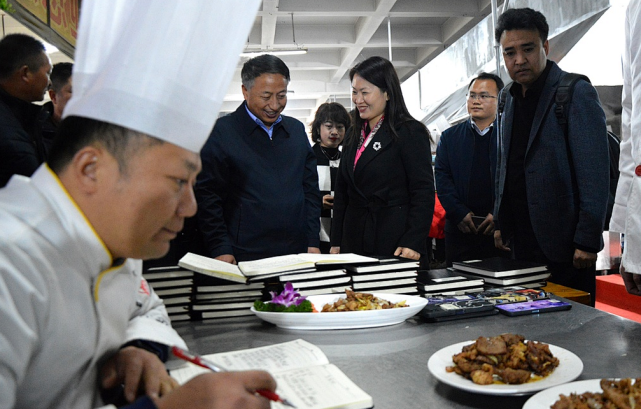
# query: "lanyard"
[[364, 140]]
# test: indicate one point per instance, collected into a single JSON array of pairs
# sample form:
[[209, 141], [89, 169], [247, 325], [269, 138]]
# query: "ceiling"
[[340, 33]]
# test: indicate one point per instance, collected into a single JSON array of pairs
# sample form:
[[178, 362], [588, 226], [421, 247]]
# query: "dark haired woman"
[[384, 199], [328, 131]]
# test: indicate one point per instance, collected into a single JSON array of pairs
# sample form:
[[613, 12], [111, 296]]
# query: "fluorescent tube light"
[[296, 51]]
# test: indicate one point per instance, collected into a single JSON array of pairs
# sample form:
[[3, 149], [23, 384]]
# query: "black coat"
[[567, 177], [388, 200], [21, 146], [48, 127], [258, 197]]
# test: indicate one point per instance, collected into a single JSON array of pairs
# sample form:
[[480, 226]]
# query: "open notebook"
[[268, 267], [303, 373]]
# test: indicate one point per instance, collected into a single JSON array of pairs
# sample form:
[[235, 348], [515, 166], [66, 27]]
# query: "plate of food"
[[517, 367], [370, 310], [590, 392]]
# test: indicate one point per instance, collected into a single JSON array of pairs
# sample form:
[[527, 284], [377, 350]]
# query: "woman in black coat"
[[384, 198]]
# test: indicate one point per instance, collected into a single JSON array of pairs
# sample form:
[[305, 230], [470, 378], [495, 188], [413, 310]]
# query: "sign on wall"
[[36, 7], [63, 18], [51, 17]]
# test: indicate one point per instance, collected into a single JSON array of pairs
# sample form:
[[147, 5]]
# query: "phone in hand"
[[477, 220], [533, 307]]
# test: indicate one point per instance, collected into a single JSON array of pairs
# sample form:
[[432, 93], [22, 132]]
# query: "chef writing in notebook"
[[77, 320]]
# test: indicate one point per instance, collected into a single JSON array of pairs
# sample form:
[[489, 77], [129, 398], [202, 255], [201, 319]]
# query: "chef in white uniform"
[[76, 316], [626, 214]]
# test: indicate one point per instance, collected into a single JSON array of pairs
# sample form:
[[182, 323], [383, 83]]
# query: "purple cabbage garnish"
[[288, 297]]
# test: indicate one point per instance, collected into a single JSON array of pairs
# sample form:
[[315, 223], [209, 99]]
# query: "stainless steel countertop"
[[390, 363]]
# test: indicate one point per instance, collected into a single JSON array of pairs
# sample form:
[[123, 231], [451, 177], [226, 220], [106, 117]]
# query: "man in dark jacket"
[[464, 170], [552, 188], [24, 78], [258, 191]]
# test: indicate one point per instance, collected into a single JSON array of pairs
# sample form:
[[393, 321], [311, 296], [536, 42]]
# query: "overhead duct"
[[443, 82]]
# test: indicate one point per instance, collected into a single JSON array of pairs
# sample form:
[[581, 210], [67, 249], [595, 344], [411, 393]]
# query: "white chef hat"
[[158, 67]]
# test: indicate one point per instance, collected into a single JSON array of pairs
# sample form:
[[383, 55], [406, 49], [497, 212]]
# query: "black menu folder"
[[384, 264], [499, 267], [446, 279]]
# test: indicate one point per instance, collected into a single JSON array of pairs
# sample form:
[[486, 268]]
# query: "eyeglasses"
[[480, 97]]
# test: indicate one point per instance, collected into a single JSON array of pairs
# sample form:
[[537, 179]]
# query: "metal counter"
[[390, 363]]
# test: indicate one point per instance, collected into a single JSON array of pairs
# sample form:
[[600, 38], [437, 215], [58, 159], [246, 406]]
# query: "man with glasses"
[[465, 165], [553, 186]]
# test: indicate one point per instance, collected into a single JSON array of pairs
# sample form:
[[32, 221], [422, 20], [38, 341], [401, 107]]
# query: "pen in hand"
[[202, 362]]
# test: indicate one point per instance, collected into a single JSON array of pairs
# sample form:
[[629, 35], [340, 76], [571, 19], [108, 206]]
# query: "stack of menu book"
[[390, 275], [271, 267], [502, 272], [217, 298], [174, 285], [304, 375], [224, 290], [447, 282]]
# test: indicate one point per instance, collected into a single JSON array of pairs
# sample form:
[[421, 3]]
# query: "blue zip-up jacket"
[[453, 168]]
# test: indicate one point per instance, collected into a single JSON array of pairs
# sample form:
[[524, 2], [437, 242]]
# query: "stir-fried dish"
[[506, 358], [360, 302], [621, 394]]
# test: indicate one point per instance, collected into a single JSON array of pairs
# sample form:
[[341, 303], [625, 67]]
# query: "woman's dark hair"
[[522, 19], [329, 112], [381, 73]]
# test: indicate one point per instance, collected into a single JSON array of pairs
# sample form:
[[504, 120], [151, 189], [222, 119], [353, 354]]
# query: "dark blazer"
[[21, 147], [258, 197], [567, 181], [388, 200]]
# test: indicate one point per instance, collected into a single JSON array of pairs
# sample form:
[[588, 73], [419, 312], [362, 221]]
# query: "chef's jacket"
[[65, 306]]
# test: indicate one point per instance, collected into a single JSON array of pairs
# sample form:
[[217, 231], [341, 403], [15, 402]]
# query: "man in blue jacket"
[[464, 170], [258, 191], [552, 189]]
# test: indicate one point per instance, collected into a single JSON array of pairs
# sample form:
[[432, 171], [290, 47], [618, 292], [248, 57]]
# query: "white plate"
[[570, 367], [546, 398], [345, 320]]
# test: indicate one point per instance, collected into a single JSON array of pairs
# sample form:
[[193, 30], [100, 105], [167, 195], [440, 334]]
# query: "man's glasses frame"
[[480, 97]]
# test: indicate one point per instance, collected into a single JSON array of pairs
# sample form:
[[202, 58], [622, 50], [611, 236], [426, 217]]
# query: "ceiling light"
[[279, 51], [293, 51]]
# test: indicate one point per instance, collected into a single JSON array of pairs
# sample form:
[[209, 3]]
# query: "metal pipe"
[[497, 47], [389, 36]]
